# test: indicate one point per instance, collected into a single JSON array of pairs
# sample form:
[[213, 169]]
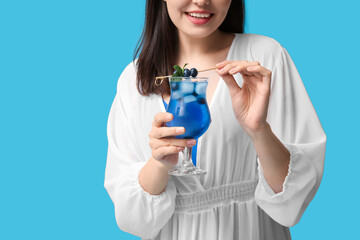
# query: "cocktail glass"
[[190, 110]]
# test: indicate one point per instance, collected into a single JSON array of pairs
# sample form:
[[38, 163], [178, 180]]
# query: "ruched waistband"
[[239, 192]]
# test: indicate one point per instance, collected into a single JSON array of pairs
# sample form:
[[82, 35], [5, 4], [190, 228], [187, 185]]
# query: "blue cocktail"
[[189, 107]]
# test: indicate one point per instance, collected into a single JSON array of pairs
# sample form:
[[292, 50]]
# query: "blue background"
[[59, 64]]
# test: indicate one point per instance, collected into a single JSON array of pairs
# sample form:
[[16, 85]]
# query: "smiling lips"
[[199, 17]]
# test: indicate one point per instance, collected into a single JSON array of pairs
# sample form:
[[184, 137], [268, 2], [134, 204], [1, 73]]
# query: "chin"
[[199, 33]]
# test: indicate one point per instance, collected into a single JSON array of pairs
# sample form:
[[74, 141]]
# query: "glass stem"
[[187, 162]]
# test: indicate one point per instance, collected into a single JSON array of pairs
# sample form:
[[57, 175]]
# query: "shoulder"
[[258, 43], [260, 48], [127, 79], [128, 92]]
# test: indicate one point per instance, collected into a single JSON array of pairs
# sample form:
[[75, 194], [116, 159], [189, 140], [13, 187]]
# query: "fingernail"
[[191, 142], [180, 130], [168, 116], [180, 148]]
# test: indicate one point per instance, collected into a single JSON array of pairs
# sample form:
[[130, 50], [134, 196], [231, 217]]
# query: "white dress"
[[233, 201]]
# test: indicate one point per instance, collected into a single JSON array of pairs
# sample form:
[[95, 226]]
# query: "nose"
[[201, 2]]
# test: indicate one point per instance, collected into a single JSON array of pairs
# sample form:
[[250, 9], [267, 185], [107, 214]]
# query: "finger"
[[163, 132], [164, 151], [156, 143], [260, 69], [230, 82], [265, 73], [222, 64], [239, 69], [162, 117], [245, 72], [242, 66], [227, 67]]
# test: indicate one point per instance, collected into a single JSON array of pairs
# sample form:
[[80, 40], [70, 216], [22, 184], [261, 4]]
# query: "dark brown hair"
[[158, 44]]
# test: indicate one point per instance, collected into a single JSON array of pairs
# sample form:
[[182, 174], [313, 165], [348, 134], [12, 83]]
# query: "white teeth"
[[199, 15]]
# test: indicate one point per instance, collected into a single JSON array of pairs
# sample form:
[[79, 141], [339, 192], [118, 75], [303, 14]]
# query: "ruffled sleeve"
[[136, 211], [294, 121]]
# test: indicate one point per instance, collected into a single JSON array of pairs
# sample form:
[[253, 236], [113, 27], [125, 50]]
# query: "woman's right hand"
[[165, 147]]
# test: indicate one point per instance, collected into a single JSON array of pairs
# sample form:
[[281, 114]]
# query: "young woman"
[[264, 150]]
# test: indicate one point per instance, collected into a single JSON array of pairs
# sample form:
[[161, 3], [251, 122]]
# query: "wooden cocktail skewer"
[[209, 69], [163, 77]]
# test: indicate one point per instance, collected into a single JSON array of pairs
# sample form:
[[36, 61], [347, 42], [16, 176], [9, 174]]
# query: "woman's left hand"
[[250, 102]]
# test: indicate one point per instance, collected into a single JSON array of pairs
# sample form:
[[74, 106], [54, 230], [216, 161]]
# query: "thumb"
[[230, 82]]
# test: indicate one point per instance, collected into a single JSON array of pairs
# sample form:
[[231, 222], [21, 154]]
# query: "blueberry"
[[201, 100], [187, 72], [193, 72]]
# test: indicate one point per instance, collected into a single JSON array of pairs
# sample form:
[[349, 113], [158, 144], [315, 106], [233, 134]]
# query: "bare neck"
[[190, 48]]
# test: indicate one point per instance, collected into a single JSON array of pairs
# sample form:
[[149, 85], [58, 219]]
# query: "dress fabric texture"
[[233, 200]]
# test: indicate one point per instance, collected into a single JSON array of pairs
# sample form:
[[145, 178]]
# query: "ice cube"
[[186, 88], [176, 94], [200, 88], [174, 86], [189, 99]]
